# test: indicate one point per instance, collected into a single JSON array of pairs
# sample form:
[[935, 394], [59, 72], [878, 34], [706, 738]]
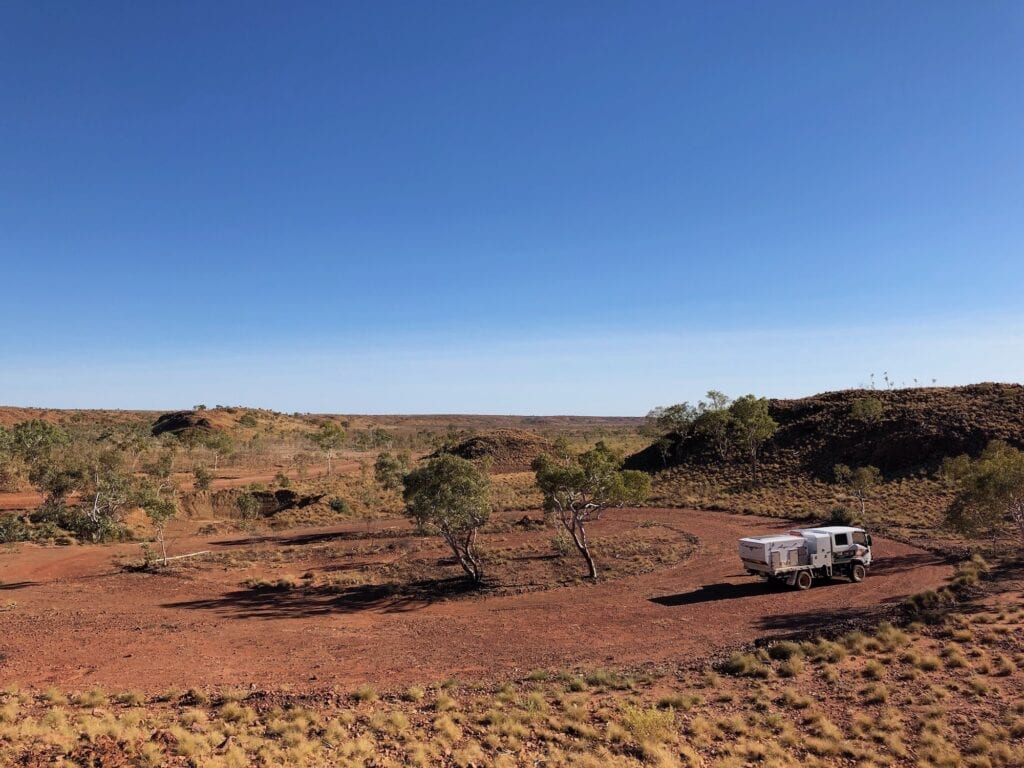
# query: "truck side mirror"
[[868, 537]]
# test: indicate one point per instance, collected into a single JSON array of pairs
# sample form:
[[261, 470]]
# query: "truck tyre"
[[803, 580], [857, 573]]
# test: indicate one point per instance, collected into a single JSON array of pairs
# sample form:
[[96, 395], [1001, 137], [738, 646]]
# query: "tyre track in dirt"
[[75, 622]]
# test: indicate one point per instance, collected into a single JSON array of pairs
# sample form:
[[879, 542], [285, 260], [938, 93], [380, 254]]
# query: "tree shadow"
[[17, 585], [302, 602], [830, 623], [354, 565], [318, 537], [536, 557], [1008, 569]]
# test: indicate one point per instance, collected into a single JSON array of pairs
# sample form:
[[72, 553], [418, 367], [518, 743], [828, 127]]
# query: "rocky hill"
[[179, 421], [903, 432], [509, 450]]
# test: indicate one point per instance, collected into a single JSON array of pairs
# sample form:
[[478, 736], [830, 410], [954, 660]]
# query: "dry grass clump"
[[825, 651], [616, 681], [784, 650], [873, 670], [746, 665], [414, 694], [875, 694], [364, 693], [648, 725], [810, 711], [92, 698], [131, 698], [791, 667], [680, 701]]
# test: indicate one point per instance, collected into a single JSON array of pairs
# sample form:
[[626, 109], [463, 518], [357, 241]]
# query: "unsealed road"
[[69, 618]]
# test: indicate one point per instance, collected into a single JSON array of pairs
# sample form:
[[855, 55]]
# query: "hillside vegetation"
[[905, 433], [288, 469]]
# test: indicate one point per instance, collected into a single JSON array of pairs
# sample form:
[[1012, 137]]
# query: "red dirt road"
[[69, 618]]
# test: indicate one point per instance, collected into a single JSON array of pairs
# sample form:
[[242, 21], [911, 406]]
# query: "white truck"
[[805, 554]]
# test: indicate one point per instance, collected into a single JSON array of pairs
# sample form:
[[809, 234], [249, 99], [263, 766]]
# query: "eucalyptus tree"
[[753, 426], [450, 496], [577, 490]]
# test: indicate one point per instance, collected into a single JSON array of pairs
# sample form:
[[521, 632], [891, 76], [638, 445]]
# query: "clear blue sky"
[[547, 207]]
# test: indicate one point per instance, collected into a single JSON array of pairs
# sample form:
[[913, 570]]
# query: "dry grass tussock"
[[949, 693]]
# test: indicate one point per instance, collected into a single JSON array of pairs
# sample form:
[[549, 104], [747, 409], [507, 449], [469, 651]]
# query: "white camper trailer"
[[805, 554]]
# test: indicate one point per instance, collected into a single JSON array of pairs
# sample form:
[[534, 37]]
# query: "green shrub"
[[13, 528], [841, 515], [561, 543], [75, 521], [203, 476]]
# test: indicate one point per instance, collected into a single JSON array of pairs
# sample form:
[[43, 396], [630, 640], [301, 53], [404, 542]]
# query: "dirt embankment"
[[200, 627], [223, 504]]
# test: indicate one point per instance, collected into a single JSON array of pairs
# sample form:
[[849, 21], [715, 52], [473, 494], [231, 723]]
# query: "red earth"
[[70, 617]]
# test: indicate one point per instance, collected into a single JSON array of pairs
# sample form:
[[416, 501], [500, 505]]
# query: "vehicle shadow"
[[888, 566], [710, 593], [300, 602]]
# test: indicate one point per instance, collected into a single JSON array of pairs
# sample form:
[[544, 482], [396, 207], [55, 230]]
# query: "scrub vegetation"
[[446, 544], [937, 466], [945, 693]]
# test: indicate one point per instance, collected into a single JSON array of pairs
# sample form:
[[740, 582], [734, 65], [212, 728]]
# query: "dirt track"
[[69, 618]]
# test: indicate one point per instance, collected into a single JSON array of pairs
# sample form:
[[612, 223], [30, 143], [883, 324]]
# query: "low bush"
[[339, 505], [13, 528], [561, 544], [840, 515]]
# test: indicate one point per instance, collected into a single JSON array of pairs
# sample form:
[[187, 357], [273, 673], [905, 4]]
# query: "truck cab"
[[844, 544]]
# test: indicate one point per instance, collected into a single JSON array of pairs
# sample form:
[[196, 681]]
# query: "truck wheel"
[[803, 580], [857, 573]]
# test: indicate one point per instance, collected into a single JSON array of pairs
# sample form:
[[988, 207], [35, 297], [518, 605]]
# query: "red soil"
[[69, 617]]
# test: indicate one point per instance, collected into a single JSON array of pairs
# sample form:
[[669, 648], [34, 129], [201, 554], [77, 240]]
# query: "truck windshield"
[[859, 537]]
